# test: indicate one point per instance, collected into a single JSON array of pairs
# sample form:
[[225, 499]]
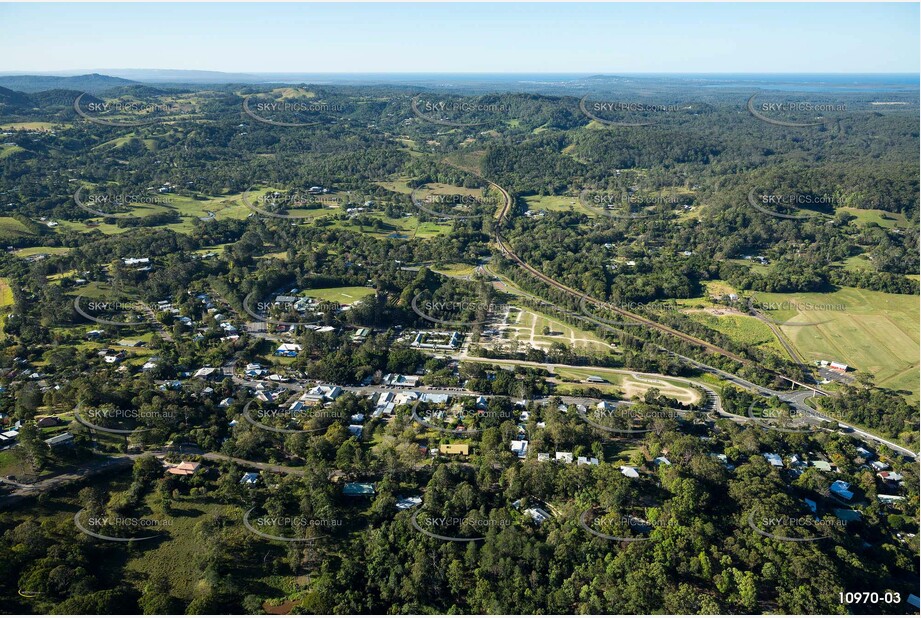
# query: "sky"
[[475, 38]]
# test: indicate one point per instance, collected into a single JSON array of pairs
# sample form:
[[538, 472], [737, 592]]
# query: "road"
[[795, 398]]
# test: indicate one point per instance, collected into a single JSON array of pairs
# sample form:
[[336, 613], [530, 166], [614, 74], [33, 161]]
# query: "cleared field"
[[6, 301], [402, 228], [630, 386], [6, 151], [10, 227], [33, 126], [343, 296], [743, 328], [879, 217], [30, 251], [540, 331], [454, 270], [874, 332], [556, 203]]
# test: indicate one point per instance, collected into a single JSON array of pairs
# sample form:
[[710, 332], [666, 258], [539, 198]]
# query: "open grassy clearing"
[[743, 328], [30, 251], [875, 332], [343, 296], [34, 126], [556, 203], [632, 386], [6, 301], [454, 270], [12, 228], [524, 326], [881, 218]]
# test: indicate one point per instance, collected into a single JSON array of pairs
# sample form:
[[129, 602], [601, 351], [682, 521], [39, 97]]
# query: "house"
[[661, 461], [455, 449], [289, 350], [135, 261], [818, 464], [250, 478], [356, 430], [543, 457], [813, 506], [629, 472], [563, 456], [519, 447], [774, 459], [879, 466], [538, 514], [226, 402], [208, 373], [358, 489], [866, 454], [63, 439], [185, 468], [893, 477], [839, 367], [114, 358], [47, 421], [595, 380], [842, 489], [322, 393], [587, 461], [408, 503], [888, 498]]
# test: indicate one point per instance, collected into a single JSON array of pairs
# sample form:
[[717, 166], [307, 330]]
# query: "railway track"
[[506, 249]]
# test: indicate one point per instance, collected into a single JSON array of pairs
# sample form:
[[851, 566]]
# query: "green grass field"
[[6, 301], [742, 328], [11, 228], [876, 332], [879, 217], [29, 251], [454, 270], [33, 126], [343, 296], [6, 151]]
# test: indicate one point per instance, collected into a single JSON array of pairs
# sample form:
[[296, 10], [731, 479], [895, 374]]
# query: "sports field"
[[343, 296], [870, 331]]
